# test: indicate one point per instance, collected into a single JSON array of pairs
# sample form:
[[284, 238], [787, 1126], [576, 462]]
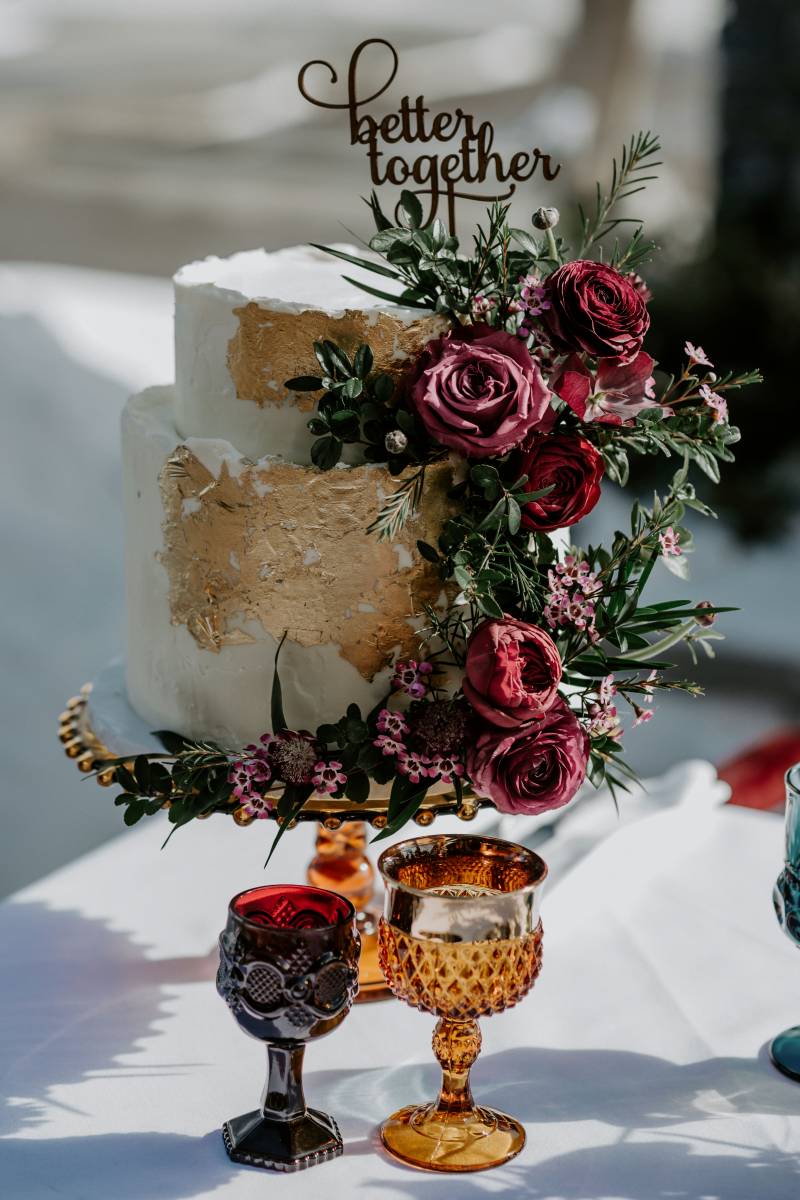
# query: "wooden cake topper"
[[444, 178]]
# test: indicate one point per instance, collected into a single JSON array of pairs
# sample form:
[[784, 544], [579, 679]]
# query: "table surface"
[[638, 1064]]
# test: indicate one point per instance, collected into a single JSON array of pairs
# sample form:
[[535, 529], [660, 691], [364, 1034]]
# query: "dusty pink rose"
[[612, 396], [531, 769], [595, 309], [512, 672], [479, 391]]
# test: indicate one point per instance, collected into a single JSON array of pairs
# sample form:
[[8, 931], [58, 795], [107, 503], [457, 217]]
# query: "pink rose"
[[614, 395], [531, 769], [512, 672], [595, 309], [479, 391]]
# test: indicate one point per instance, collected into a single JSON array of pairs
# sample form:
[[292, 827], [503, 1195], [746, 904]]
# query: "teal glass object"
[[784, 1049]]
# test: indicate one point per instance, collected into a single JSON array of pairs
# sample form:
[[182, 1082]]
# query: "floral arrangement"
[[540, 392]]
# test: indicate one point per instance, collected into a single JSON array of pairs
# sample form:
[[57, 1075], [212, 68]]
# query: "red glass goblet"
[[288, 972]]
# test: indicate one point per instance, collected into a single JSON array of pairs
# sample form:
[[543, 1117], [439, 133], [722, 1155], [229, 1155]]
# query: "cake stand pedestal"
[[98, 724], [341, 865]]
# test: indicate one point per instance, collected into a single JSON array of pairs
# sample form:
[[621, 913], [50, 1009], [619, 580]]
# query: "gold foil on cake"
[[270, 347], [287, 546]]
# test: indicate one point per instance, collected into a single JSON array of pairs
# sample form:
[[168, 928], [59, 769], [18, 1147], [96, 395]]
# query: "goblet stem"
[[456, 1045], [283, 1098]]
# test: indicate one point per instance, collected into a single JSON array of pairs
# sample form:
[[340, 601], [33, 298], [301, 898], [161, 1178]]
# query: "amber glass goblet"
[[460, 938], [288, 970]]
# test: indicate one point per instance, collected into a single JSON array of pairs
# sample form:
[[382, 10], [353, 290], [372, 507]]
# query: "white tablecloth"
[[638, 1063]]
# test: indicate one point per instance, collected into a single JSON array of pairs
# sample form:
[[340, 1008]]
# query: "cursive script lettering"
[[444, 177]]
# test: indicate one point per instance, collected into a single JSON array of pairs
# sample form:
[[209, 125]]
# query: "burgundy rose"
[[572, 468], [595, 309], [612, 396], [480, 392], [531, 769], [512, 672]]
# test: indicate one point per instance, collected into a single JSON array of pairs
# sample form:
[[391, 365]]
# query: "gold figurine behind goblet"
[[461, 938]]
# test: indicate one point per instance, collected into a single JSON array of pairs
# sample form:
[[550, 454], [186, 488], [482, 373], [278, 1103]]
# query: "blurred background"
[[137, 137]]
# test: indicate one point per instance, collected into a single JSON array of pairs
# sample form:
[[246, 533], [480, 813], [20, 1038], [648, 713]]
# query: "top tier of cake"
[[246, 324]]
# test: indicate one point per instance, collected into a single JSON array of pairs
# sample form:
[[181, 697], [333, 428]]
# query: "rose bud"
[[512, 672]]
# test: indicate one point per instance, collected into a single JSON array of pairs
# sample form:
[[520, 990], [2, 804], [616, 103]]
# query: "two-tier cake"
[[233, 538]]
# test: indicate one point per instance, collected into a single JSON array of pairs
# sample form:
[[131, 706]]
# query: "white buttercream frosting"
[[173, 681], [243, 325], [252, 409], [293, 280]]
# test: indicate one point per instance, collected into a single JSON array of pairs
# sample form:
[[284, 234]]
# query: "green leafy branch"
[[426, 264], [685, 387], [358, 406], [628, 177], [399, 507], [690, 433], [496, 564]]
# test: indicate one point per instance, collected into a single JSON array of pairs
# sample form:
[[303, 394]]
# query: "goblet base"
[[426, 1137], [784, 1050], [292, 1145]]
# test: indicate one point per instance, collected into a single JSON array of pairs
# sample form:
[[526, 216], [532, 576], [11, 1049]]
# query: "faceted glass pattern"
[[444, 948], [288, 971], [460, 980]]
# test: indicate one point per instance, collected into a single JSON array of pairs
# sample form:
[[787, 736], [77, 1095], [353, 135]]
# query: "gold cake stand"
[[340, 862]]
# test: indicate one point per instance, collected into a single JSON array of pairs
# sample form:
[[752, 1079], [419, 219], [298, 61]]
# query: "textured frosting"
[[245, 324], [224, 554]]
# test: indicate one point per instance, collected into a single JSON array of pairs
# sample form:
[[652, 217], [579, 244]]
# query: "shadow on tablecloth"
[[77, 995], [644, 1099]]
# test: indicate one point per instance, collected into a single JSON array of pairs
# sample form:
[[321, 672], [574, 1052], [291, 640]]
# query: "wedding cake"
[[356, 565], [234, 539]]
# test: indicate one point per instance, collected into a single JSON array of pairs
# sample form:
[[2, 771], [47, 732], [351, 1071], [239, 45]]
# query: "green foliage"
[[190, 780], [429, 270], [427, 266], [628, 177], [490, 564], [399, 507], [358, 406]]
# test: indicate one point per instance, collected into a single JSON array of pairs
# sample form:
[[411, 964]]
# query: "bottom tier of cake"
[[224, 556]]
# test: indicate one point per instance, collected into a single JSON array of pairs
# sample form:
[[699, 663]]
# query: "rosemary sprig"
[[399, 507], [627, 178]]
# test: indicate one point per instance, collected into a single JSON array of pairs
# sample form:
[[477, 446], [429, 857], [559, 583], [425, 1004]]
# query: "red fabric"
[[756, 775]]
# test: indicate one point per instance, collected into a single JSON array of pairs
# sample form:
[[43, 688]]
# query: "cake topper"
[[444, 178]]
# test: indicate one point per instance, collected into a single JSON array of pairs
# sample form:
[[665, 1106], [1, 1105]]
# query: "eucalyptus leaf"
[[411, 208], [383, 388], [326, 452], [304, 383], [362, 363]]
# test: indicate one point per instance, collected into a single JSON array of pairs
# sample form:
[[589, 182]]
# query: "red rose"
[[479, 391], [512, 672], [534, 768], [595, 309], [572, 467]]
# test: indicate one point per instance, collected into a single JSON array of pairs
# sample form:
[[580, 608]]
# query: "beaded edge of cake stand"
[[89, 753]]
